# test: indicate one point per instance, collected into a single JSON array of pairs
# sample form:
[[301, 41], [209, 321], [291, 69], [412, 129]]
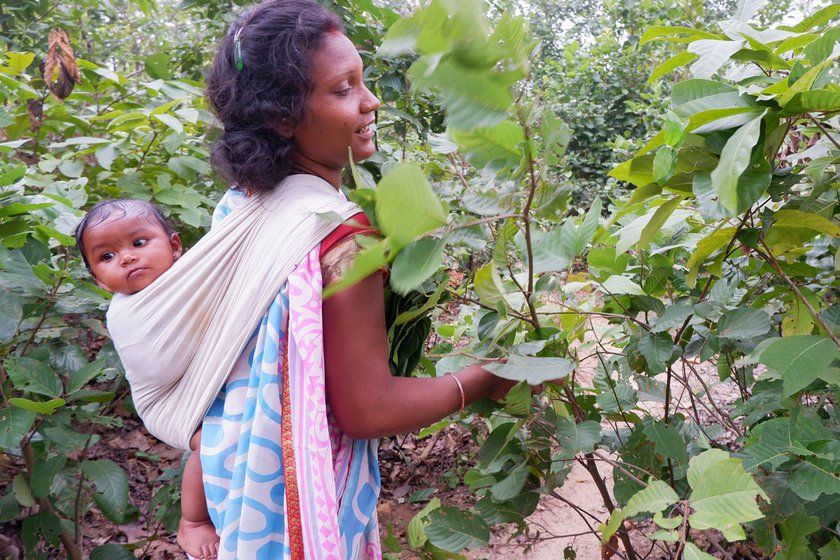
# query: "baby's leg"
[[196, 533]]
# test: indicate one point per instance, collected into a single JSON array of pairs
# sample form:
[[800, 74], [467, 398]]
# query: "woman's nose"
[[371, 102]]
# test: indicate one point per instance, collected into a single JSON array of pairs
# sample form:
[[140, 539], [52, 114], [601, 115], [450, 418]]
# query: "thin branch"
[[824, 131]]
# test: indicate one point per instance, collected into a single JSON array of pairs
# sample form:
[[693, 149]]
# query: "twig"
[[824, 131]]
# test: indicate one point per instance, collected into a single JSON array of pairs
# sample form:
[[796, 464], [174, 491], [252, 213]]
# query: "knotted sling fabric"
[[179, 338]]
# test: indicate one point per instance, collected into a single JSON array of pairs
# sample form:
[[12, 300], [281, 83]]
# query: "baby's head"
[[126, 244]]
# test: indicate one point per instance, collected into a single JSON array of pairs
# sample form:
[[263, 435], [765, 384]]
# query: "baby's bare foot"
[[198, 538]]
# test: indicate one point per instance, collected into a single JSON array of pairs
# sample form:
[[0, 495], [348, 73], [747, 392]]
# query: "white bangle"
[[460, 390]]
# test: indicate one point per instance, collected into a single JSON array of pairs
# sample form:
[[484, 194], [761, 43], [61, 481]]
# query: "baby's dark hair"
[[104, 209], [259, 83]]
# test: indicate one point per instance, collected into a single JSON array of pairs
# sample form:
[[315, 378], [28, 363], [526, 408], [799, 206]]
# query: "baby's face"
[[128, 252]]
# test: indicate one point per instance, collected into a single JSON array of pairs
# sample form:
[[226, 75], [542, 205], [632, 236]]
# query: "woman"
[[289, 447]]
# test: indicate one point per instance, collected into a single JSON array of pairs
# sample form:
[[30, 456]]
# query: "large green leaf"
[[574, 437], [33, 375], [815, 476], [415, 263], [657, 350], [454, 530], [416, 535], [494, 147], [711, 55], [43, 474], [81, 377], [692, 552], [734, 159], [666, 439], [512, 484], [406, 205], [743, 323], [111, 487], [497, 441], [799, 359], [653, 499], [797, 219], [11, 313], [532, 370], [723, 495], [676, 61], [14, 424], [795, 531], [111, 551], [820, 100]]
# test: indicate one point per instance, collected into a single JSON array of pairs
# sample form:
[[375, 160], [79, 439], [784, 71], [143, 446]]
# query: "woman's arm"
[[366, 400]]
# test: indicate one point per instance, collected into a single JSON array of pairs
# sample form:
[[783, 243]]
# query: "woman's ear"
[[284, 128], [177, 247]]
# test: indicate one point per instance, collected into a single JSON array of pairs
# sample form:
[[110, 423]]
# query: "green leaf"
[[805, 220], [724, 495], [39, 407], [415, 263], [711, 55], [454, 530], [716, 240], [676, 61], [495, 147], [512, 484], [799, 359], [14, 424], [743, 324], [416, 535], [171, 122], [666, 440], [657, 350], [620, 284], [659, 31], [815, 476], [157, 66], [817, 19], [497, 441], [83, 376], [23, 490], [817, 100], [33, 375], [19, 61], [43, 474], [657, 221], [11, 313], [574, 438], [654, 499], [111, 551], [664, 164], [795, 530], [691, 552], [747, 8], [406, 205], [831, 551], [532, 370], [111, 487], [488, 285], [734, 159]]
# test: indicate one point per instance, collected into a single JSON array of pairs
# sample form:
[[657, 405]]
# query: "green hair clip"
[[237, 51]]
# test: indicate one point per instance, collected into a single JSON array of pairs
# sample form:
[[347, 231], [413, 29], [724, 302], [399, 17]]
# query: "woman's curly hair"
[[268, 92]]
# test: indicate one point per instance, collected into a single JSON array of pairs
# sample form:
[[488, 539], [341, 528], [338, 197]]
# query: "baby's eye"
[[140, 242], [107, 256]]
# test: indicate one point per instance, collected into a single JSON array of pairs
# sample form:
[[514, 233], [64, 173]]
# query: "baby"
[[126, 245]]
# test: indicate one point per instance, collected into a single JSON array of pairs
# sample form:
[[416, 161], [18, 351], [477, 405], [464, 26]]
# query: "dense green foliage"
[[723, 249]]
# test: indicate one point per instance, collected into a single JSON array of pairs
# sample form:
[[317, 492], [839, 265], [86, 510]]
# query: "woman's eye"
[[140, 242], [344, 92], [107, 256]]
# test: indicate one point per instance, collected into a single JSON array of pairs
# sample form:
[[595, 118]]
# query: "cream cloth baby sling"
[[179, 338]]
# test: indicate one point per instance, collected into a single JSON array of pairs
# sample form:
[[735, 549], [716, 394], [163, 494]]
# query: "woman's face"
[[339, 112]]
